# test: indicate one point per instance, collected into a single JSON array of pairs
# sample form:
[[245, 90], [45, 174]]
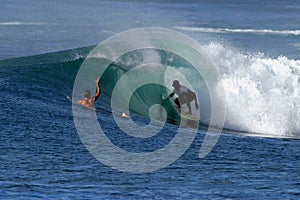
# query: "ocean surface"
[[256, 48]]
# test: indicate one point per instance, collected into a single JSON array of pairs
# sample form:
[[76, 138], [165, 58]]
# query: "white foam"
[[19, 23], [262, 94], [230, 30]]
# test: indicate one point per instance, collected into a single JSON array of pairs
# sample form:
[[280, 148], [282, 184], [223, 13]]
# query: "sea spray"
[[262, 93]]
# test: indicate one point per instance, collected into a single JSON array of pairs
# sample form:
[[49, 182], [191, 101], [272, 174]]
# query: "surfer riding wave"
[[185, 96]]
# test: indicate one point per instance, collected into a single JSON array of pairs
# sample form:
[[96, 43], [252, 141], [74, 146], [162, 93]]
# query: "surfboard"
[[188, 120], [188, 116]]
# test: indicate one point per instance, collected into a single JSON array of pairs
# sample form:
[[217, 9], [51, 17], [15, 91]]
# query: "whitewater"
[[262, 93]]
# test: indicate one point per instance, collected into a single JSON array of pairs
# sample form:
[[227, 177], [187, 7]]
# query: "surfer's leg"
[[193, 97], [196, 102], [185, 99], [177, 102], [189, 107]]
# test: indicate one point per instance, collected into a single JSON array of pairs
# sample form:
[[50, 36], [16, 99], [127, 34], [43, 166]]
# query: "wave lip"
[[15, 23], [229, 30]]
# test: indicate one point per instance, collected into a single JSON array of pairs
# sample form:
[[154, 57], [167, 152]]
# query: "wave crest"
[[230, 30], [15, 23]]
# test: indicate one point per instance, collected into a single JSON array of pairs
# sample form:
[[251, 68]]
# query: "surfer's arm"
[[97, 95], [171, 95]]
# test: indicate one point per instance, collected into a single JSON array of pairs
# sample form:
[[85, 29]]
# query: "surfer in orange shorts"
[[89, 101], [185, 96]]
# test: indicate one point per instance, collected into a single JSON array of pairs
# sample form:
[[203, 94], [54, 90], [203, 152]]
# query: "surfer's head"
[[87, 94], [175, 83]]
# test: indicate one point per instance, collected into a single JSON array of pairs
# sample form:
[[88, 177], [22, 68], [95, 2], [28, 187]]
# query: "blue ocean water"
[[255, 45]]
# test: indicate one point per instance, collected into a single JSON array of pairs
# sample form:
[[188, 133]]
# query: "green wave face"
[[137, 65]]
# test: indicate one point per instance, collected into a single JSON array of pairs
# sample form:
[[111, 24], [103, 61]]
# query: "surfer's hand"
[[98, 80]]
